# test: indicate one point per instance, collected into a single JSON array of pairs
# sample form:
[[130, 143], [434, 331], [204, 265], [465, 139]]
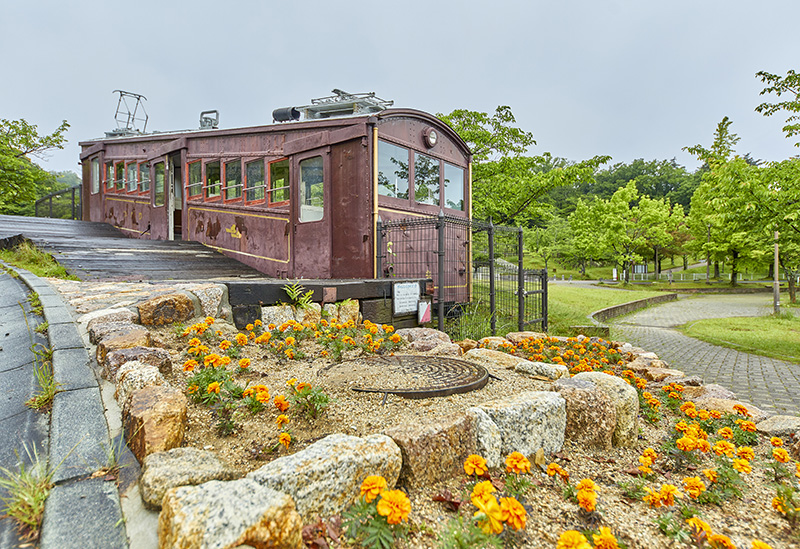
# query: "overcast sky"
[[627, 78]]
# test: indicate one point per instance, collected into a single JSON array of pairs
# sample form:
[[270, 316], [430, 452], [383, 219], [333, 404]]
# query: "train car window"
[[279, 182], [392, 170], [158, 184], [254, 177], [195, 182], [109, 176], [130, 176], [119, 175], [233, 180], [95, 175], [212, 179], [426, 179], [144, 177], [453, 187], [312, 189]]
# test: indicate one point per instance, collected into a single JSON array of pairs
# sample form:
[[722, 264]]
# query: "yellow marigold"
[[289, 353], [209, 320], [388, 328], [718, 541], [244, 362], [651, 454], [703, 414], [741, 410], [681, 426], [797, 474], [572, 539], [745, 452], [262, 396], [724, 447], [475, 465], [517, 463], [710, 474], [669, 493], [757, 544], [482, 491], [280, 403], [652, 498], [779, 505], [249, 327], [694, 486], [777, 442], [193, 389], [605, 539], [302, 386], [686, 444], [281, 420], [747, 426], [716, 414], [189, 365], [587, 499], [225, 344], [691, 412], [647, 461], [697, 525], [241, 339], [489, 515], [586, 484], [725, 433], [742, 465], [194, 342], [213, 388], [372, 486], [703, 445], [257, 322], [291, 382], [779, 454], [290, 340], [285, 439], [645, 470], [395, 506], [513, 513]]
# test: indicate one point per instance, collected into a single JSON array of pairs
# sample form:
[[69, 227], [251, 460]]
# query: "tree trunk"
[[771, 273], [685, 263], [734, 266], [716, 269], [583, 267], [656, 262]]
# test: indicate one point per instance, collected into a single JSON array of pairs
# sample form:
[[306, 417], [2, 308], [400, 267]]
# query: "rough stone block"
[[529, 421], [591, 416], [225, 515], [104, 316], [324, 479], [154, 420], [102, 329], [518, 337], [153, 356], [277, 315], [660, 374], [423, 339], [493, 359], [349, 312], [543, 369], [712, 390], [436, 450], [493, 342], [136, 337], [312, 314], [625, 401], [488, 439], [135, 375], [725, 406], [168, 309], [179, 467], [467, 345], [779, 426]]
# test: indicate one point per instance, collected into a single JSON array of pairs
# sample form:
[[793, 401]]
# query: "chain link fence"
[[480, 285]]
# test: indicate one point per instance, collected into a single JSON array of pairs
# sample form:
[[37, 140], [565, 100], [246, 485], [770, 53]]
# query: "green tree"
[[788, 85], [19, 176], [585, 245], [506, 185]]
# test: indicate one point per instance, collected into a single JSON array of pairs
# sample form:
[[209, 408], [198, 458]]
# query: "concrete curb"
[[630, 307], [79, 510]]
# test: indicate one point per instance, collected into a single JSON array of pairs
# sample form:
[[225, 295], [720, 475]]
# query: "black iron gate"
[[65, 204], [481, 286]]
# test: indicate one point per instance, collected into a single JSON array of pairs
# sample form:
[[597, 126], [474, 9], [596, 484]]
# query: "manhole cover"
[[412, 376]]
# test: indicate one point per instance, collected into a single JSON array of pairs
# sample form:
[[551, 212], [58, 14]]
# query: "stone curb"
[[630, 307], [79, 439]]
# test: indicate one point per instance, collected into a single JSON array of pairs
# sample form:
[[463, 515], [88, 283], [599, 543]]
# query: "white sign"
[[406, 297]]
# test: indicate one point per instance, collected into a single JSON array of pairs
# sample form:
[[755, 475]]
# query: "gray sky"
[[627, 78]]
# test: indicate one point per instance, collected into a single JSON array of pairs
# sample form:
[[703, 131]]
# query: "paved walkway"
[[770, 384]]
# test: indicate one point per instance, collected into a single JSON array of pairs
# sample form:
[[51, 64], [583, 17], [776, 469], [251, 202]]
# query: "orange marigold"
[[280, 403], [587, 499], [213, 388], [742, 465], [697, 525], [747, 426], [686, 444], [669, 493], [517, 463], [694, 486], [605, 539], [779, 454], [776, 442], [718, 541], [725, 433], [194, 342], [489, 515], [586, 484], [225, 344], [372, 486], [652, 498], [241, 339], [475, 465], [281, 420], [482, 491], [710, 474], [757, 544], [209, 320], [745, 452], [189, 365], [741, 410], [724, 447], [244, 362], [395, 506], [716, 414], [572, 539], [513, 513], [285, 439]]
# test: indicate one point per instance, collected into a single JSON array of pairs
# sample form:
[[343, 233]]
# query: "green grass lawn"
[[29, 257], [569, 305], [766, 335]]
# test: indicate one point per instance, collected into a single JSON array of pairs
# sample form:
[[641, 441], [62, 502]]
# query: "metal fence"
[[64, 204], [480, 285]]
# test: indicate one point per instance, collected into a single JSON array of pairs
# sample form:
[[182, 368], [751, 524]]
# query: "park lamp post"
[[776, 285]]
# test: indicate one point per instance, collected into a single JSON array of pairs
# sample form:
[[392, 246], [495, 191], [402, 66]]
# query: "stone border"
[[78, 438], [631, 306]]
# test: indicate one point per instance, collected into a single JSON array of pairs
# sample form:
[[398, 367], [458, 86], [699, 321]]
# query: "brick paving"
[[772, 385]]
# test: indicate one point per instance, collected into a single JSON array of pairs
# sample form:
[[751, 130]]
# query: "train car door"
[[174, 197], [311, 217]]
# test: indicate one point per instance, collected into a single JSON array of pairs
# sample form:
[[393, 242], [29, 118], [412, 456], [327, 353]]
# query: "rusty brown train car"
[[296, 199]]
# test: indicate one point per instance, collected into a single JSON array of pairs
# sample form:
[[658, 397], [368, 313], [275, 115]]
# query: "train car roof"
[[338, 121]]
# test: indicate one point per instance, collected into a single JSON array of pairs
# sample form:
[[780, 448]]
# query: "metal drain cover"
[[413, 376]]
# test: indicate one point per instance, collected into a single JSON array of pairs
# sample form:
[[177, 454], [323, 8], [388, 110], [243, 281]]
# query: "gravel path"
[[770, 384]]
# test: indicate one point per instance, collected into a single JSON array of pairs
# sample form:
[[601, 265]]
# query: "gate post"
[[379, 248], [492, 296], [520, 284], [440, 225], [543, 281]]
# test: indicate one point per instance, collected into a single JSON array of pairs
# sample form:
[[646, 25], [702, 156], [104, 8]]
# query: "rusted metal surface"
[[427, 376]]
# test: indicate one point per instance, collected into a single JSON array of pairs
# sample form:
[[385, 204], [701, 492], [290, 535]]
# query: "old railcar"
[[299, 199]]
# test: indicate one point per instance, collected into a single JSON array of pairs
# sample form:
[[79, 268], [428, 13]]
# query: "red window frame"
[[268, 190], [135, 175], [224, 181], [218, 196], [200, 193], [245, 189], [141, 180]]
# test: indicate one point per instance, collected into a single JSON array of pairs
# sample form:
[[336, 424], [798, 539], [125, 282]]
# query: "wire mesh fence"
[[480, 285]]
